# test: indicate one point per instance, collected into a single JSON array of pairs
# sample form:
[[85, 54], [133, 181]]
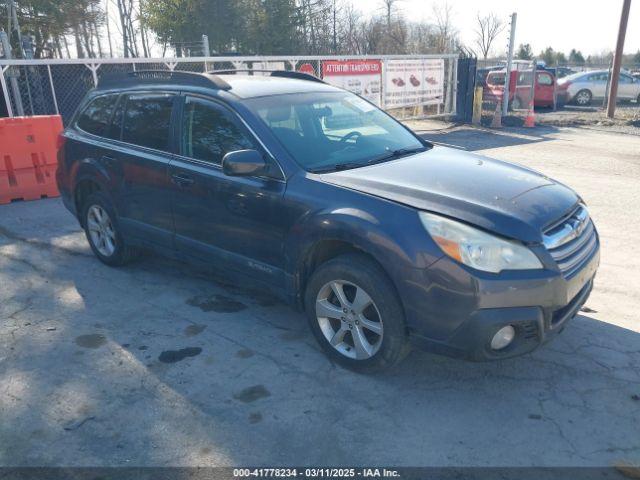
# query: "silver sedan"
[[582, 88]]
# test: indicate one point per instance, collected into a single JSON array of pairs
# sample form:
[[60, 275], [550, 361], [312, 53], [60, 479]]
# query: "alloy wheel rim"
[[349, 319], [101, 231], [583, 97]]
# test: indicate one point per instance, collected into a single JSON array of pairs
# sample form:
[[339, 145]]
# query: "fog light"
[[503, 337]]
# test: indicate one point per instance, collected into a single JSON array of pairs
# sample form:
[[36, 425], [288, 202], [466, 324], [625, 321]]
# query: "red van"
[[520, 88]]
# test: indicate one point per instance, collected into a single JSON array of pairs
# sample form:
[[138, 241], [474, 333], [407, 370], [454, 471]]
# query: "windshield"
[[573, 76], [333, 131]]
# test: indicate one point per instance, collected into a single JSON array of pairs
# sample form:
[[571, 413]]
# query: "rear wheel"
[[583, 98], [355, 314], [101, 228]]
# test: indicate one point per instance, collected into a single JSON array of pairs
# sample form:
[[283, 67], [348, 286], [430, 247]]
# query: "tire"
[[583, 98], [114, 252], [352, 275]]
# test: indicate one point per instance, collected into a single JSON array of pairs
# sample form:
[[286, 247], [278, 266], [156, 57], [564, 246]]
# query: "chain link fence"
[[525, 87], [408, 87]]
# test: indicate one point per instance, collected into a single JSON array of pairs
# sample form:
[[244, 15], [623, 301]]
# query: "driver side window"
[[209, 132]]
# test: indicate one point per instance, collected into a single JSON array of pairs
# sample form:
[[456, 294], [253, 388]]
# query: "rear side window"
[[115, 129], [147, 120], [544, 79], [598, 77], [96, 117], [209, 132]]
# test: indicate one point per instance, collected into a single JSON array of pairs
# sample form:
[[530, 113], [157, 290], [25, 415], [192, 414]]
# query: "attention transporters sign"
[[414, 82], [362, 77]]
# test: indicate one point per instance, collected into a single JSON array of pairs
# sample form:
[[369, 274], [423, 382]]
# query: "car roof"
[[251, 86], [240, 85], [576, 75]]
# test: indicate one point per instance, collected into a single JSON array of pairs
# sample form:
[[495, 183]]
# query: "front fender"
[[392, 234]]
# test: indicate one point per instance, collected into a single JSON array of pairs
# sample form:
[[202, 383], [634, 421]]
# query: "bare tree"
[[122, 13], [395, 28], [488, 28], [107, 22], [445, 31], [388, 11]]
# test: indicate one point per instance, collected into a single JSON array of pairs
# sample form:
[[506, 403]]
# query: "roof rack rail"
[[162, 76], [274, 73]]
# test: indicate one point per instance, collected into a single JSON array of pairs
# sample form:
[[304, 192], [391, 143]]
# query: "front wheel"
[[583, 98], [355, 314], [101, 228]]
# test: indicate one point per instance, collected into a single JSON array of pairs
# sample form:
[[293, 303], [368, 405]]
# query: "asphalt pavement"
[[161, 363]]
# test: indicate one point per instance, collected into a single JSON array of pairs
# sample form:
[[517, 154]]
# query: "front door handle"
[[182, 180]]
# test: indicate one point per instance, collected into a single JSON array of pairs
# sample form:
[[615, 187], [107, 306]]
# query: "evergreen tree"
[[576, 58], [524, 52], [548, 56]]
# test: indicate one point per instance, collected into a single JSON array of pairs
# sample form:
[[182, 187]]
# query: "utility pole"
[[205, 50], [16, 26], [507, 78], [617, 59], [335, 37], [205, 46], [15, 89]]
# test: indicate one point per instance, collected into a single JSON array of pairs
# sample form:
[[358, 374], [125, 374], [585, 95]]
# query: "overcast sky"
[[587, 25]]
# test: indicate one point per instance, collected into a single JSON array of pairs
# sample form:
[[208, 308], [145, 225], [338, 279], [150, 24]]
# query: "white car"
[[582, 88]]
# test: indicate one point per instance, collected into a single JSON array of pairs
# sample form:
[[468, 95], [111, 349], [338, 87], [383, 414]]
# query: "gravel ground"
[[626, 120]]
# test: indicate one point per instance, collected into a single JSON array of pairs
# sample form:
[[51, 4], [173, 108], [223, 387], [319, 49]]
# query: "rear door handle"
[[182, 180]]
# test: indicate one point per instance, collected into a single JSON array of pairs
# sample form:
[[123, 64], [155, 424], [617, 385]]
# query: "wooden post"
[[617, 59], [476, 119]]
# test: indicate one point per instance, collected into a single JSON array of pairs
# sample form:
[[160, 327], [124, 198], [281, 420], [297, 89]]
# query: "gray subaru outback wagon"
[[383, 239]]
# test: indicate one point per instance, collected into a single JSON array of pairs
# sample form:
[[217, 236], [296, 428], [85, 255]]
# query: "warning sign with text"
[[362, 77]]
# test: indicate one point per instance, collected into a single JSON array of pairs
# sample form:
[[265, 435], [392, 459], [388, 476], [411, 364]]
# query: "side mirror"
[[244, 163]]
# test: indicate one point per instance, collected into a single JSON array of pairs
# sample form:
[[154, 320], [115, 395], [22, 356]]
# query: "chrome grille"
[[572, 241]]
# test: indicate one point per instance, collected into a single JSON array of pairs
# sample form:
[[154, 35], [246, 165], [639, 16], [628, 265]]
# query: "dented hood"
[[498, 196]]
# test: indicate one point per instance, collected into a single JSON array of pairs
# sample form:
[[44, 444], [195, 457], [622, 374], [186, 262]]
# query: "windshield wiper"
[[393, 154], [337, 167], [390, 155]]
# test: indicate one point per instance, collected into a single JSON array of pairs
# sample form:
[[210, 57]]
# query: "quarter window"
[[96, 117], [208, 132], [147, 120]]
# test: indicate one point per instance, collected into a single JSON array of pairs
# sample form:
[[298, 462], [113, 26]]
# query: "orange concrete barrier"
[[28, 157]]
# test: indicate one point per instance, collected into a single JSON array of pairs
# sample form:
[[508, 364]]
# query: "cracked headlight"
[[477, 248]]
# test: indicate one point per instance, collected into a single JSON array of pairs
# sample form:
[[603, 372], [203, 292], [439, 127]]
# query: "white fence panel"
[[408, 86]]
